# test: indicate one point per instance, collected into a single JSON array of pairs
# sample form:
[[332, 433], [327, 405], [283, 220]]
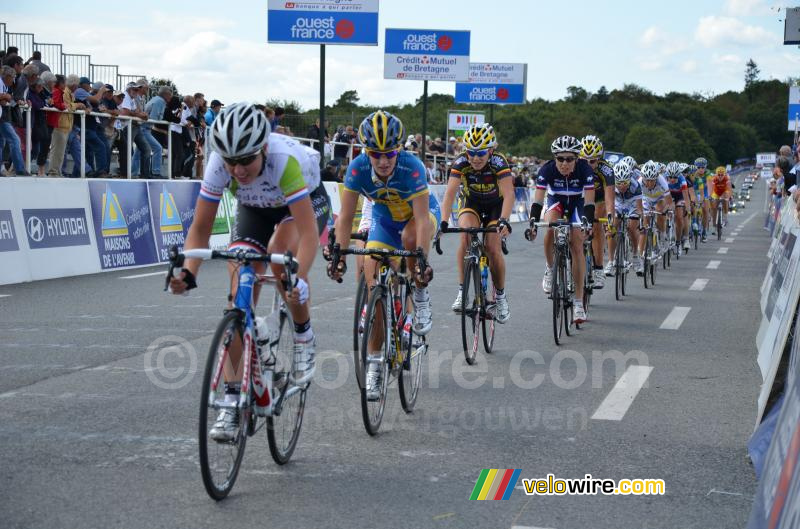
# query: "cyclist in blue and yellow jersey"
[[627, 202], [568, 182], [484, 177], [700, 179], [592, 152], [404, 213]]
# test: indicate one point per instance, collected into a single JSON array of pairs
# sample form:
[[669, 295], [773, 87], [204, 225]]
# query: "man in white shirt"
[[129, 108]]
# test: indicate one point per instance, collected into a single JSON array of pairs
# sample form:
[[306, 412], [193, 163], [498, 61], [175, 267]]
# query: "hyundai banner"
[[494, 83], [426, 55], [8, 235], [354, 22], [56, 227]]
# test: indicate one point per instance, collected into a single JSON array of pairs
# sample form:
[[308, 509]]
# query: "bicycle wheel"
[[625, 256], [696, 239], [283, 426], [719, 223], [377, 324], [619, 265], [220, 461], [470, 311], [488, 312], [555, 295], [588, 280], [414, 348], [566, 295], [358, 327], [646, 257], [653, 265]]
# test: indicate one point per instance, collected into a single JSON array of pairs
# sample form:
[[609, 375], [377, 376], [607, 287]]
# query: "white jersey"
[[656, 193], [290, 173]]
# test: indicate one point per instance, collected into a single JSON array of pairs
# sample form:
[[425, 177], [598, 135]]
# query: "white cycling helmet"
[[239, 130], [622, 173], [673, 169], [683, 167], [566, 144], [650, 171], [629, 161]]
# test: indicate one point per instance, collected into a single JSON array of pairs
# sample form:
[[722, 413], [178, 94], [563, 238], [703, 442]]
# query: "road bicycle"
[[652, 248], [388, 323], [478, 293], [263, 365]]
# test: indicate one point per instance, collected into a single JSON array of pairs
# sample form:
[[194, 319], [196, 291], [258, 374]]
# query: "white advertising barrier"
[[779, 296], [45, 230], [766, 158]]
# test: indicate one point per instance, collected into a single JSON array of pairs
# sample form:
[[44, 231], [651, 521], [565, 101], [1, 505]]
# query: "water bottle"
[[398, 306], [484, 274], [407, 332]]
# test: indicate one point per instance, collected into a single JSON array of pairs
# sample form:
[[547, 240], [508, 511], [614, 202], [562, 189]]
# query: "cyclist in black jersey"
[[485, 179], [592, 151]]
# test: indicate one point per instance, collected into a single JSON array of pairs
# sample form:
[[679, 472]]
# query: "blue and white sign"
[[8, 236], [426, 55], [56, 227], [494, 83], [350, 22], [794, 108], [172, 209]]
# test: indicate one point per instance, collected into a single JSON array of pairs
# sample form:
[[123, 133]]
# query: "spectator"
[[437, 147], [451, 146], [173, 115], [269, 113], [11, 53], [276, 120], [313, 131], [58, 137], [96, 147], [73, 138], [411, 144], [40, 134], [199, 122], [344, 142], [783, 168], [129, 108], [430, 172], [7, 133], [155, 109], [213, 111], [331, 172]]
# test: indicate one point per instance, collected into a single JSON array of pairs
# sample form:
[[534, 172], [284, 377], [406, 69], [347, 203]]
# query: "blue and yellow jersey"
[[699, 183], [393, 199]]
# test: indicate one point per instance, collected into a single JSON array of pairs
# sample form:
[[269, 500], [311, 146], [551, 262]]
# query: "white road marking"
[[5, 295], [137, 276], [728, 240], [675, 319], [713, 265], [724, 249], [621, 396], [528, 526], [699, 285]]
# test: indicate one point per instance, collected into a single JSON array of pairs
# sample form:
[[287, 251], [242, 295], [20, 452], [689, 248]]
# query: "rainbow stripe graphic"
[[495, 484]]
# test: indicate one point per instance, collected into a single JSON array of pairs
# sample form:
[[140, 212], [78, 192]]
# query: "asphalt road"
[[91, 435]]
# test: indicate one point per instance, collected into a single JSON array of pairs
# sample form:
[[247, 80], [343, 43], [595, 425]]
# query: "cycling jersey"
[[393, 198], [289, 173], [482, 185], [391, 209], [580, 180], [720, 185], [654, 195], [603, 177], [699, 183], [625, 202], [366, 215]]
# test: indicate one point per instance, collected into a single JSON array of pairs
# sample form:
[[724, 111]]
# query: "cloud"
[[745, 8], [713, 31], [689, 66], [663, 43]]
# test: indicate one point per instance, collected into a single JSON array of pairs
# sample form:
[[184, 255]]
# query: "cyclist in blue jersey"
[[682, 196], [568, 182], [404, 213]]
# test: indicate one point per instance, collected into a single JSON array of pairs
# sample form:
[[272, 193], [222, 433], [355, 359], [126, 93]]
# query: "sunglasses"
[[242, 160], [477, 152], [566, 159], [378, 154]]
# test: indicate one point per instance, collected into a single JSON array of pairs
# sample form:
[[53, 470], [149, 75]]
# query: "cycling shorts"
[[678, 199], [487, 213], [717, 196], [570, 206], [387, 233], [255, 226]]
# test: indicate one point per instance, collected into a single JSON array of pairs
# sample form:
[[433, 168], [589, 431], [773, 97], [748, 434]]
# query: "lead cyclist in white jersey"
[[282, 206]]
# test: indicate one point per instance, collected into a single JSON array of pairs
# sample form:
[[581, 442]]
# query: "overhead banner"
[[457, 120], [494, 84], [794, 108], [122, 224], [426, 55], [354, 22], [172, 211], [791, 27]]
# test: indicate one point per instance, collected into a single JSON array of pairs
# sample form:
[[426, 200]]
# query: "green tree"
[[348, 99]]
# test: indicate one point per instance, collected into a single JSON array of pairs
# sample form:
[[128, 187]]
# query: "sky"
[[220, 48]]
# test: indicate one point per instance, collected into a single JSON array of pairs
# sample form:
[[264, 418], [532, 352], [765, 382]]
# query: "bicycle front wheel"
[[646, 256], [414, 349], [619, 267], [555, 294], [358, 327], [220, 459], [470, 311], [283, 426], [376, 330], [719, 223]]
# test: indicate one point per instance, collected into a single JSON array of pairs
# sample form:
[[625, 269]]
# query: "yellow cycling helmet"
[[720, 170], [591, 147], [480, 137]]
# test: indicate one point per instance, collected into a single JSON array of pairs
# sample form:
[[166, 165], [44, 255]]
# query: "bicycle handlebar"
[[474, 230]]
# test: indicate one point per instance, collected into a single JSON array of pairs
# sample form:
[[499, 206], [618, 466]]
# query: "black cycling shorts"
[[487, 213]]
